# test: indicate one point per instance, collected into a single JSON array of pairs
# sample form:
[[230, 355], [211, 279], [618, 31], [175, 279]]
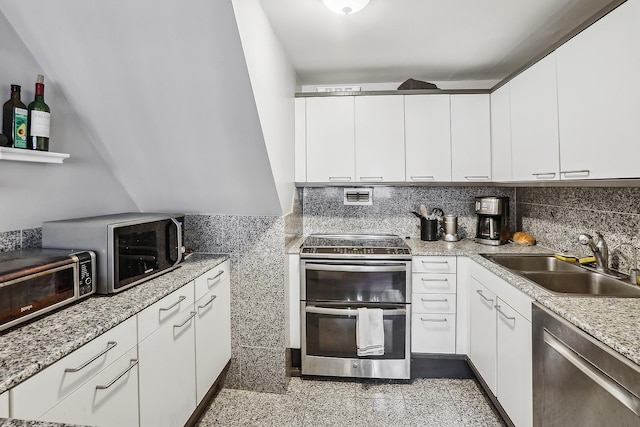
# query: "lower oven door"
[[329, 341]]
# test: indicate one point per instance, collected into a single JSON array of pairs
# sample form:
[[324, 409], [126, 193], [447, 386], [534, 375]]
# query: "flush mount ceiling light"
[[345, 7]]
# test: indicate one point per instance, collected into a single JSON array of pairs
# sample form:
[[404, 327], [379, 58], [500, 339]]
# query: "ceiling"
[[436, 41]]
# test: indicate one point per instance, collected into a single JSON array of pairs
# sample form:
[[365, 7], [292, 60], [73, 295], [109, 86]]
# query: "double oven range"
[[339, 275]]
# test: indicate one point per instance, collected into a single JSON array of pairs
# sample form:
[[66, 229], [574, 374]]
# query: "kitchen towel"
[[370, 332]]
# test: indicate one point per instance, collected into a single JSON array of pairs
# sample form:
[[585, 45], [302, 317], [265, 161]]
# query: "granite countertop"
[[29, 348], [613, 321]]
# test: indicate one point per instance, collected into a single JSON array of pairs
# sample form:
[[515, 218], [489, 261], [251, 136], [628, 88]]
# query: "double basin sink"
[[564, 278]]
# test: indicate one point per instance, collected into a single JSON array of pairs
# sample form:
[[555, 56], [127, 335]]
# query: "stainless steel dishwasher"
[[578, 381]]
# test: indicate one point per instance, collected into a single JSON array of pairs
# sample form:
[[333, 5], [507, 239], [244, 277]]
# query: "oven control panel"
[[356, 251]]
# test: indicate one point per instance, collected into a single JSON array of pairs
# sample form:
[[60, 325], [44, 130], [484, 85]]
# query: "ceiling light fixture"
[[345, 7]]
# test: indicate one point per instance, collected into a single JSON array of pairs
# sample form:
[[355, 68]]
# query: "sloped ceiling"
[[162, 86]]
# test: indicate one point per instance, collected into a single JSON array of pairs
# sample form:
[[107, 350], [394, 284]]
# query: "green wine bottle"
[[14, 120], [39, 120]]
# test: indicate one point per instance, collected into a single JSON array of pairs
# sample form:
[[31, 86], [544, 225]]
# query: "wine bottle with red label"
[[39, 120], [14, 120]]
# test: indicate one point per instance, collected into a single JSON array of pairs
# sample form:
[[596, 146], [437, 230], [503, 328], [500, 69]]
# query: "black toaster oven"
[[33, 282]]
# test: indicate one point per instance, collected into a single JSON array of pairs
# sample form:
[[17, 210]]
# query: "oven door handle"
[[357, 268], [349, 311]]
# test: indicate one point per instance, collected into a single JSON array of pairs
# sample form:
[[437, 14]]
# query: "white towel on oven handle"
[[370, 332]]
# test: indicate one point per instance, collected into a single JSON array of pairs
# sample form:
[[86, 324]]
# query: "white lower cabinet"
[[32, 399], [500, 342], [4, 405], [108, 399], [213, 327], [167, 361]]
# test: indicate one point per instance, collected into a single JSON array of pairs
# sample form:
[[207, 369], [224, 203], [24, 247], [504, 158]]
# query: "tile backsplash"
[[30, 238]]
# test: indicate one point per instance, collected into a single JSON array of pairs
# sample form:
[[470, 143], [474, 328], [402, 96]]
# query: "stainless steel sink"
[[562, 278]]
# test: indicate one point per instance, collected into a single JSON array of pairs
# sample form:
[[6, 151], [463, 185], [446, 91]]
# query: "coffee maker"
[[493, 220]]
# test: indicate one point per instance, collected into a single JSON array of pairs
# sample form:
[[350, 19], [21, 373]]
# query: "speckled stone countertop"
[[27, 349], [612, 321]]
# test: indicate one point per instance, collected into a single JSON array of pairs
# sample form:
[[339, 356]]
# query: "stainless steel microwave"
[[33, 282], [131, 247]]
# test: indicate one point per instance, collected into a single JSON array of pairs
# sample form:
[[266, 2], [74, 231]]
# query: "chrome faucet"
[[599, 249]]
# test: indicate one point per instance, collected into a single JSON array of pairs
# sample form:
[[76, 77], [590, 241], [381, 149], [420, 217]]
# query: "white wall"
[[273, 80], [164, 90], [31, 193]]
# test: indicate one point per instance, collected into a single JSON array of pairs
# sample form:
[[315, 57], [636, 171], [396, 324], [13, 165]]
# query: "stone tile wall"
[[20, 239], [556, 216], [256, 245]]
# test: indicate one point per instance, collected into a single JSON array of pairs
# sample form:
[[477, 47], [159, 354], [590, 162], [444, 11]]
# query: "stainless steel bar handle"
[[211, 279], [347, 311], [435, 262], [110, 345], [477, 177], [479, 291], [357, 268], [620, 393], [433, 320], [434, 300], [503, 314], [544, 175], [182, 298], [434, 280], [213, 297], [371, 178], [191, 315], [132, 363], [340, 178], [576, 174], [423, 178]]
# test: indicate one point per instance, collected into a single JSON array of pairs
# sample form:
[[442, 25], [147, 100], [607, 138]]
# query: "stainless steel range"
[[340, 276]]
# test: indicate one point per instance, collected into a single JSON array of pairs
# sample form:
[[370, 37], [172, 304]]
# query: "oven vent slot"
[[358, 196]]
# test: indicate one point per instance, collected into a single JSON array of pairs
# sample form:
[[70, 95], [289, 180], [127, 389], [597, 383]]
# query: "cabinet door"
[[166, 370], [379, 133], [470, 138], [300, 146], [514, 359], [427, 138], [598, 97], [330, 139], [108, 399], [482, 333], [213, 331], [501, 134], [32, 398], [4, 405], [433, 333], [534, 123]]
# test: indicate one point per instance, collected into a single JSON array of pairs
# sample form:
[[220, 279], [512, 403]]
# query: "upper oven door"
[[356, 281], [144, 249]]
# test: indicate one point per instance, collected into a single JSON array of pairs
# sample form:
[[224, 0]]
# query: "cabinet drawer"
[[426, 283], [31, 399], [433, 333], [108, 399], [212, 279], [434, 264], [433, 303], [164, 311]]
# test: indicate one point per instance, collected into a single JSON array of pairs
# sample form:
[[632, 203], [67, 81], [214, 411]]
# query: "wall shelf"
[[24, 155]]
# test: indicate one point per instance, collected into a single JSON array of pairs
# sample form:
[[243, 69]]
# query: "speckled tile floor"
[[423, 402]]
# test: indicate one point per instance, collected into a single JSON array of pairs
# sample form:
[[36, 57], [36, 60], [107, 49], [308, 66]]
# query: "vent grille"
[[358, 196]]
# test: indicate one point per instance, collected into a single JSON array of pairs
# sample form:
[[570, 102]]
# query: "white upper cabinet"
[[501, 134], [427, 138], [599, 98], [330, 139], [534, 123], [300, 146], [470, 138], [379, 138]]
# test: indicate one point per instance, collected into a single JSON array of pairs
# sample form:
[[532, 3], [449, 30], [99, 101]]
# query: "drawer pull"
[[435, 262], [132, 363], [182, 298], [211, 279], [208, 302], [434, 280], [193, 313], [433, 320], [434, 300], [110, 345], [503, 314], [479, 291]]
